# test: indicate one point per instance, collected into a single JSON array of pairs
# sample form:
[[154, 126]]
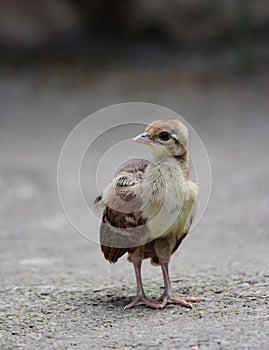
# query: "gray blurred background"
[[62, 60]]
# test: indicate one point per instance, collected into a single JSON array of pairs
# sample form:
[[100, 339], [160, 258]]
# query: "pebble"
[[44, 293], [110, 307]]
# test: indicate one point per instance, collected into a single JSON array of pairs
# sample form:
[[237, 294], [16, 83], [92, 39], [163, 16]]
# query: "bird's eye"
[[164, 136]]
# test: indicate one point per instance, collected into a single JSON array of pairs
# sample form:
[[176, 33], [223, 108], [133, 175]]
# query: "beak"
[[142, 138]]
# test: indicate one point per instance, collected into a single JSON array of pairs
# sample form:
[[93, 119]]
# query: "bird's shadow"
[[108, 300], [116, 302]]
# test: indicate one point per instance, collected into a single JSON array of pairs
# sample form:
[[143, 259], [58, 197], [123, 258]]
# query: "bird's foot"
[[143, 300], [185, 301]]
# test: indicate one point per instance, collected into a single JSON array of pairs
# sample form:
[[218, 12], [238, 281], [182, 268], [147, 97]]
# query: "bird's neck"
[[183, 162]]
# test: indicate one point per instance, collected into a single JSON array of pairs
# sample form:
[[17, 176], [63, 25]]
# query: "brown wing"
[[123, 225]]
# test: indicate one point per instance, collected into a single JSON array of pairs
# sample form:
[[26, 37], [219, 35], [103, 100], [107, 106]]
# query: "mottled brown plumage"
[[149, 206]]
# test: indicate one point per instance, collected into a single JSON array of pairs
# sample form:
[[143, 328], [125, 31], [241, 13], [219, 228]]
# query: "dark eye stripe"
[[164, 136]]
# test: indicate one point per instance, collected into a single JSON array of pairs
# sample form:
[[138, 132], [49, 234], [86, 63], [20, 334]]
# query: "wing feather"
[[123, 225]]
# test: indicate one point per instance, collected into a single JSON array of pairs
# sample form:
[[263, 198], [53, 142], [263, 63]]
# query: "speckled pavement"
[[57, 291]]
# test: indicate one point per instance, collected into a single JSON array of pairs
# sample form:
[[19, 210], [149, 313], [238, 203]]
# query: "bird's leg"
[[140, 294], [167, 284], [167, 294]]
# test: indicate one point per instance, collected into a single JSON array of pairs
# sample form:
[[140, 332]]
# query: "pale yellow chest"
[[169, 200]]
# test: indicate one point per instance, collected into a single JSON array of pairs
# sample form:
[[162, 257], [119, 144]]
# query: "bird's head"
[[168, 135]]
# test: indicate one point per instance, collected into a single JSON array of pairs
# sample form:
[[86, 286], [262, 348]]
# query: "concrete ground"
[[57, 291]]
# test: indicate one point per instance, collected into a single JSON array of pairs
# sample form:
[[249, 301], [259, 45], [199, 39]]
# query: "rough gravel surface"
[[57, 291]]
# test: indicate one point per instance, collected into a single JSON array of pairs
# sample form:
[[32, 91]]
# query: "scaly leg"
[[167, 294], [140, 294]]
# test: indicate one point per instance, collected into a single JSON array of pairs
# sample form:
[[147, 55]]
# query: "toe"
[[143, 300], [185, 302], [181, 302], [136, 301], [194, 299]]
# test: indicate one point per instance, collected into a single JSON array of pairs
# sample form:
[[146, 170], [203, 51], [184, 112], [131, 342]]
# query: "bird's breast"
[[168, 199]]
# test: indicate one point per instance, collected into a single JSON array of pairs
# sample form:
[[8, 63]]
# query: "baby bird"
[[149, 206]]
